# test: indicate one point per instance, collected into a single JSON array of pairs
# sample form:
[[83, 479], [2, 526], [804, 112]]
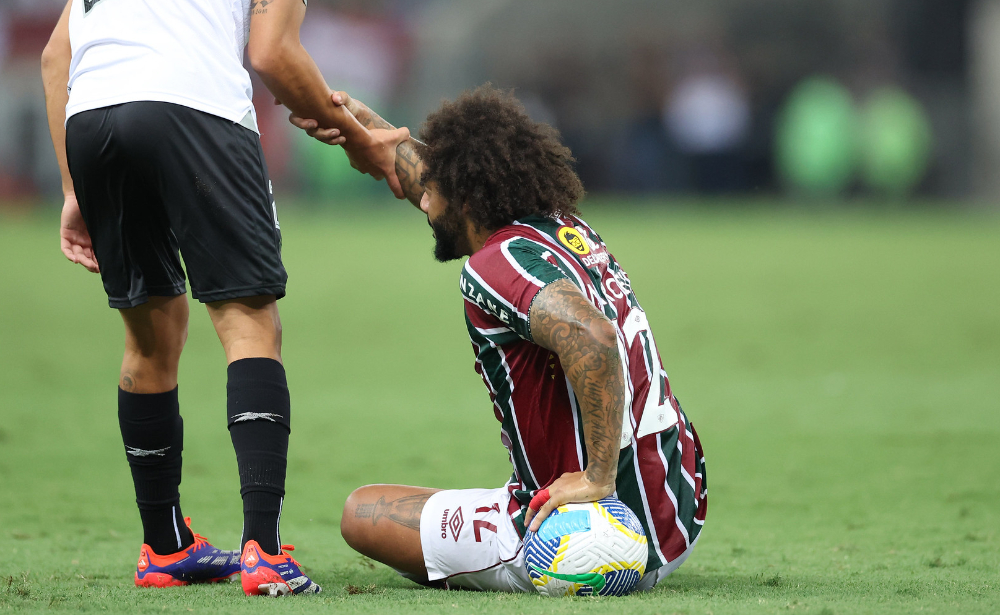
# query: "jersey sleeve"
[[502, 280]]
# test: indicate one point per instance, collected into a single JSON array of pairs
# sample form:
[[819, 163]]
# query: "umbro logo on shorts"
[[453, 523]]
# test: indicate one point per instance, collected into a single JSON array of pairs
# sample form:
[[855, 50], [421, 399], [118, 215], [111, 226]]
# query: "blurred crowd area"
[[826, 98]]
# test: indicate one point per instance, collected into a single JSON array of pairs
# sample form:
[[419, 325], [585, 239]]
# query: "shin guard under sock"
[[259, 415], [153, 433]]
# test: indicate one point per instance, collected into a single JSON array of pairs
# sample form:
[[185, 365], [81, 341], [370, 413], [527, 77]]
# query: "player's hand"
[[378, 158], [570, 487], [74, 238], [330, 136], [390, 137]]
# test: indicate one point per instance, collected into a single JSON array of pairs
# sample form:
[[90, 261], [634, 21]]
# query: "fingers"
[[399, 135], [78, 251], [85, 256], [330, 136], [87, 259], [537, 503], [67, 250], [543, 514], [302, 123], [343, 99], [81, 256]]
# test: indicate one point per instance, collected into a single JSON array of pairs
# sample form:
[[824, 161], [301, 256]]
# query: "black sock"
[[153, 433], [259, 415]]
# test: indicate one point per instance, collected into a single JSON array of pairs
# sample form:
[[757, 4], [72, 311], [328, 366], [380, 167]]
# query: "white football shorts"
[[470, 542]]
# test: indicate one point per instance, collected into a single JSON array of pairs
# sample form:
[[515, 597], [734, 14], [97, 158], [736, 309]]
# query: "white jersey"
[[186, 52]]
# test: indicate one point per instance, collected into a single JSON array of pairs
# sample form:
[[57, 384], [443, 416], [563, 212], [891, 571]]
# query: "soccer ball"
[[593, 549]]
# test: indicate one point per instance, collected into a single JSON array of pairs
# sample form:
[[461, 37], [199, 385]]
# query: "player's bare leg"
[[259, 423], [383, 523], [153, 433], [155, 333], [149, 417], [248, 327]]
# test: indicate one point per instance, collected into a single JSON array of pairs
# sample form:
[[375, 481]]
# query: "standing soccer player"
[[150, 111], [562, 345]]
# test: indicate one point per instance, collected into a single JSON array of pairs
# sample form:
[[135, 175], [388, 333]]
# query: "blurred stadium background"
[[819, 99], [840, 362]]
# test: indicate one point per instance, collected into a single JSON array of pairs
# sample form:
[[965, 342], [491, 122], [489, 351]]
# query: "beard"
[[449, 235]]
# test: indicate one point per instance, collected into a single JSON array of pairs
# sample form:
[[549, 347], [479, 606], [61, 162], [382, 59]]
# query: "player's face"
[[448, 223]]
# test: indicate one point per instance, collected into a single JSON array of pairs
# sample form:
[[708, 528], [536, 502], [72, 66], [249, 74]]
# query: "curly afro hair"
[[484, 151]]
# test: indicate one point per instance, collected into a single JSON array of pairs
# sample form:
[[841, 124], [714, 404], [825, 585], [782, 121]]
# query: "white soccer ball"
[[593, 549]]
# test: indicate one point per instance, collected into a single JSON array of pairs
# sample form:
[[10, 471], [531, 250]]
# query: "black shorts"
[[153, 178]]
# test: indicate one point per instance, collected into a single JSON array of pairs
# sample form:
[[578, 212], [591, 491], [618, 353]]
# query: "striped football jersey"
[[661, 469]]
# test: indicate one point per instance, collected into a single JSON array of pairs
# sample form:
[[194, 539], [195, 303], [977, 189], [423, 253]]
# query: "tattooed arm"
[[408, 165], [564, 321]]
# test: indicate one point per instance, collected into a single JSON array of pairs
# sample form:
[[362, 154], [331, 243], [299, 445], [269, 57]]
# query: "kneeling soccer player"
[[563, 347]]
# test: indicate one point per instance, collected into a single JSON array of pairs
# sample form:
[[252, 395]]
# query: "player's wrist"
[[600, 480]]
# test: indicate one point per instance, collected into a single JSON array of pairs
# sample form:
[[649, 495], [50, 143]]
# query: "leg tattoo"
[[404, 511]]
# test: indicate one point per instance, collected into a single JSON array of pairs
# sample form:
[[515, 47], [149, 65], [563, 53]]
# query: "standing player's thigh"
[[217, 196], [469, 541], [123, 209]]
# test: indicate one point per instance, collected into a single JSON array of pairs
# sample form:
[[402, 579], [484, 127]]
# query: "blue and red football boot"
[[199, 563], [273, 575]]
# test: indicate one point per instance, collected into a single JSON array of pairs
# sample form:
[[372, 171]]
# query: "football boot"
[[199, 563], [273, 575]]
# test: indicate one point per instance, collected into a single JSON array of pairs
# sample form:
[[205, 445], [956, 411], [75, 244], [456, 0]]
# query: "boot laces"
[[199, 540], [290, 548]]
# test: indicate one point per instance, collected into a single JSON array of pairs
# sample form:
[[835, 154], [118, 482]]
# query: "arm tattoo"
[[408, 165], [408, 170], [259, 7], [564, 321], [405, 511]]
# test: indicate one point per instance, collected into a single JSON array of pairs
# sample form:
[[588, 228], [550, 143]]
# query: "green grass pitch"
[[842, 369]]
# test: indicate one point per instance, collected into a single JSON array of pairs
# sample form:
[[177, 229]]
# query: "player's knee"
[[248, 327], [349, 527], [356, 523]]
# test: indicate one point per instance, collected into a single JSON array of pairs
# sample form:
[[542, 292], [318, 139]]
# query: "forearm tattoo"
[[405, 511], [408, 166], [408, 170], [564, 321]]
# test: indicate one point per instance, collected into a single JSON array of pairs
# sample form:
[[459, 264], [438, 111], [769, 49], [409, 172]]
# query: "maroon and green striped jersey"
[[661, 470]]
